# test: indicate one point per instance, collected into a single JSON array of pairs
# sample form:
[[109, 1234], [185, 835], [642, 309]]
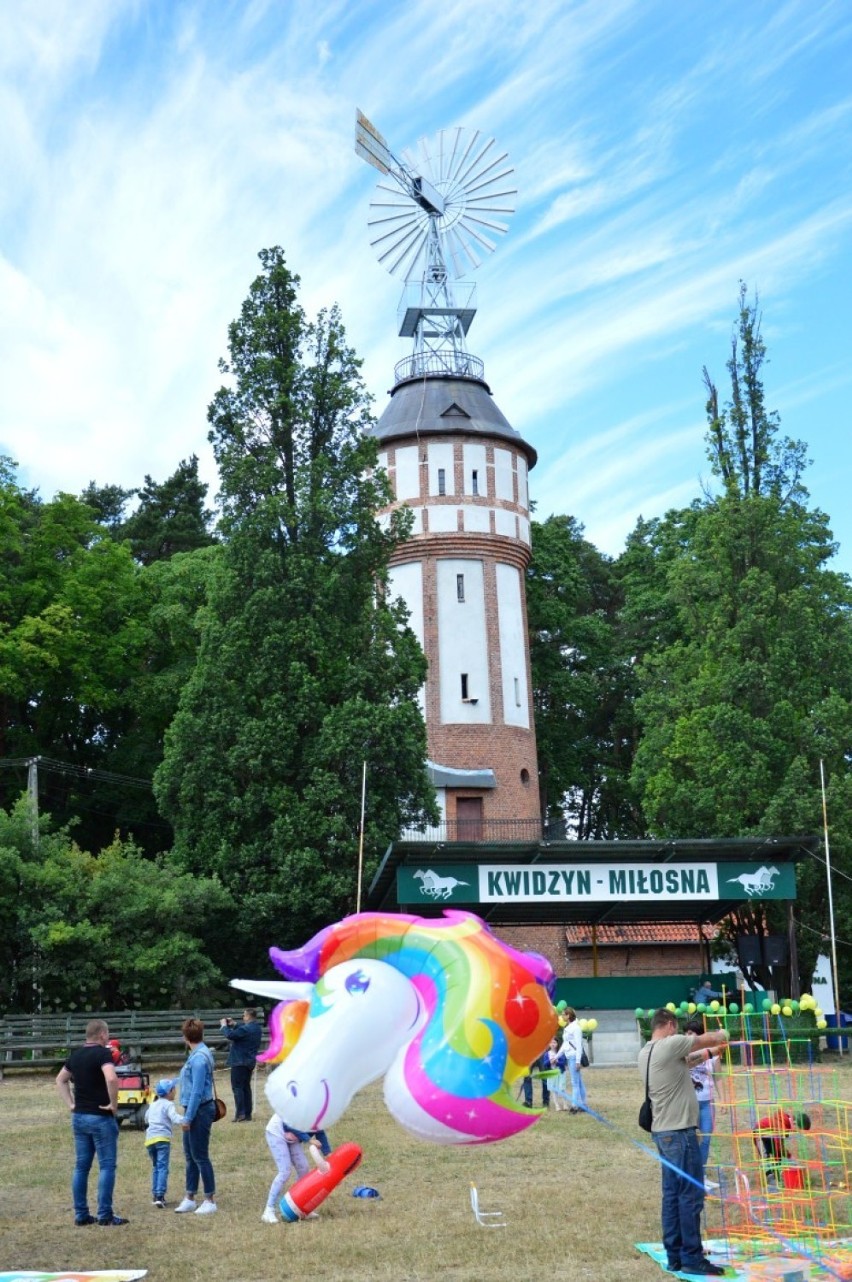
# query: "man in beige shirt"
[[664, 1060]]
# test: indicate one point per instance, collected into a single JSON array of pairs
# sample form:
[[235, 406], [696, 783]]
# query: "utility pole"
[[32, 797]]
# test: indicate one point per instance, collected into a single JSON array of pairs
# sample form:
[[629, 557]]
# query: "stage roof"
[[477, 869]]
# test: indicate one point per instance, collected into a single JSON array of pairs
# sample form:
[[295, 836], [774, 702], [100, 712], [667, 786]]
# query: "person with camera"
[[664, 1063], [245, 1043]]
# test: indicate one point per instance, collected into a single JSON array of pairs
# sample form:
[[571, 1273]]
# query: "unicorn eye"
[[291, 1087]]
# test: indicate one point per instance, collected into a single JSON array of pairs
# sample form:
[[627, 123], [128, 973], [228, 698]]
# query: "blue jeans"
[[196, 1150], [241, 1086], [705, 1128], [159, 1155], [95, 1135], [683, 1196], [578, 1086], [528, 1092]]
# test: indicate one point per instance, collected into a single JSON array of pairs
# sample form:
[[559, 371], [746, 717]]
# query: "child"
[[556, 1059], [285, 1145], [162, 1116], [770, 1135], [702, 1066]]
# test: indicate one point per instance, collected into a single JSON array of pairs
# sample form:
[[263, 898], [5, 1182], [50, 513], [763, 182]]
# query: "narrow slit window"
[[442, 480], [517, 693], [460, 586], [474, 482], [464, 693]]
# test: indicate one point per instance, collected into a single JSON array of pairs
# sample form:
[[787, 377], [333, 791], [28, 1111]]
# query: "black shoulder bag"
[[646, 1112]]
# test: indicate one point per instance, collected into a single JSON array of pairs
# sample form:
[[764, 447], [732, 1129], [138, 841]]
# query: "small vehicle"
[[134, 1095]]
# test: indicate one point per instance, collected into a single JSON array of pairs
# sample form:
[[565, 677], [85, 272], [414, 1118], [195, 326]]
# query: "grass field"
[[576, 1196]]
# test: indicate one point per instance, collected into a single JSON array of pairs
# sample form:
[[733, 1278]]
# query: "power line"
[[80, 772]]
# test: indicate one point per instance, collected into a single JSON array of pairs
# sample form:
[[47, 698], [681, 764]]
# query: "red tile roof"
[[638, 933]]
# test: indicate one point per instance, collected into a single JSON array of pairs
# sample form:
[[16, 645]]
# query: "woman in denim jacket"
[[199, 1104]]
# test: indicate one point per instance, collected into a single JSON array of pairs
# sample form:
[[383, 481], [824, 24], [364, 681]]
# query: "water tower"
[[456, 461]]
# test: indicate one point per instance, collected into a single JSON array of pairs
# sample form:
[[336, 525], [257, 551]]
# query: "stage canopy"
[[593, 882]]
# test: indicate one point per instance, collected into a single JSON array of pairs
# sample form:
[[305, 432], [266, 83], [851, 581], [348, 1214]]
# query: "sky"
[[662, 152]]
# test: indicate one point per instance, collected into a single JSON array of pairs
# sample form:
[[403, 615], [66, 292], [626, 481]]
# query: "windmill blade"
[[450, 192]]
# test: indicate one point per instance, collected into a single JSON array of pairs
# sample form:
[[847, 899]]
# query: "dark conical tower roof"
[[434, 405]]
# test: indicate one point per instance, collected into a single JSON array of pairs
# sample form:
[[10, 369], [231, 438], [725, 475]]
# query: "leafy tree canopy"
[[106, 932], [745, 644], [305, 669], [582, 683]]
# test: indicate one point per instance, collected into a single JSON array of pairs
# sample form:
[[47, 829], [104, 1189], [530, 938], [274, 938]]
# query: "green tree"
[[108, 502], [107, 931], [748, 680], [582, 684], [305, 668], [171, 517]]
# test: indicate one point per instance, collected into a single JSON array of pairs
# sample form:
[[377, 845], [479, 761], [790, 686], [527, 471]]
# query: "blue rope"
[[795, 1248]]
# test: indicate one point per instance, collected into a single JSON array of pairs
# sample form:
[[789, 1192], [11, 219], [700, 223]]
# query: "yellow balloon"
[[786, 1010], [671, 1006], [691, 1008], [821, 1023], [592, 1025], [714, 1005], [775, 1009], [819, 1012]]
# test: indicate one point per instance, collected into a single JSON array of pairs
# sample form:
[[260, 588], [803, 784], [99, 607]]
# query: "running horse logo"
[[757, 883], [437, 887]]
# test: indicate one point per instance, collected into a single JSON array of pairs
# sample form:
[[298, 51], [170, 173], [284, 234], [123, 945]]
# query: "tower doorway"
[[468, 819]]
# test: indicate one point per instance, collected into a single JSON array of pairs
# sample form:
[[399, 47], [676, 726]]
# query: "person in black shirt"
[[93, 1102]]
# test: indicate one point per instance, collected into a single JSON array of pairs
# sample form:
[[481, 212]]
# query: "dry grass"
[[576, 1197]]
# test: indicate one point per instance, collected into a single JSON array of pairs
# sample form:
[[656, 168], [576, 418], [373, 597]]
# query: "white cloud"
[[660, 155]]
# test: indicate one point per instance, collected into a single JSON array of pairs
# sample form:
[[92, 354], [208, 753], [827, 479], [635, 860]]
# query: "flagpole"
[[361, 839], [838, 1013]]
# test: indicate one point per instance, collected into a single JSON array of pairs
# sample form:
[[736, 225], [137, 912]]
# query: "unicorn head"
[[450, 1015]]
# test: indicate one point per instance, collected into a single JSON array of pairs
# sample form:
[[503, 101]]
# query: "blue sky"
[[662, 152]]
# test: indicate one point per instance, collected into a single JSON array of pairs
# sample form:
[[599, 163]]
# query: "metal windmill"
[[435, 221]]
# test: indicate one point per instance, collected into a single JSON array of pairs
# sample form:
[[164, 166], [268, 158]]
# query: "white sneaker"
[[269, 1216], [207, 1208], [188, 1204]]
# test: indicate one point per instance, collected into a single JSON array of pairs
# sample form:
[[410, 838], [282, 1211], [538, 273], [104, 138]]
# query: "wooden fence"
[[43, 1041]]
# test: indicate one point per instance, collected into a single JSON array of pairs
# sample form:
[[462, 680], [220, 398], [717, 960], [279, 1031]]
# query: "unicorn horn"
[[281, 990]]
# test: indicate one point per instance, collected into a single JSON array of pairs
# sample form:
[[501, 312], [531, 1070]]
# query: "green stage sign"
[[592, 883]]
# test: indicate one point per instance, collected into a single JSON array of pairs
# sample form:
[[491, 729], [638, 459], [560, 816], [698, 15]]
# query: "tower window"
[[474, 482], [464, 687], [442, 480], [517, 693], [460, 586]]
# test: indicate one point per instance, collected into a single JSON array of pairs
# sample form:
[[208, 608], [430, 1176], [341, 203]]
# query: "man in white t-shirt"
[[674, 1132]]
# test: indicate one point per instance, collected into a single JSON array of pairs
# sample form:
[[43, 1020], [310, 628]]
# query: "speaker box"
[[748, 951], [775, 950]]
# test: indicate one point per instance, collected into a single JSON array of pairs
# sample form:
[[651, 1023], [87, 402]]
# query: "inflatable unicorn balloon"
[[449, 1015]]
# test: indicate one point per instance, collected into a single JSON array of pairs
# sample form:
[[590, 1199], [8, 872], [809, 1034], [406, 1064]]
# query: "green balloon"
[[650, 1012], [733, 1008], [794, 1005], [640, 1011], [748, 1008], [766, 1004], [701, 1008]]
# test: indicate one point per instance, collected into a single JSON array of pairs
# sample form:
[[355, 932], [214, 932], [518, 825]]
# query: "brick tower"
[[457, 462]]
